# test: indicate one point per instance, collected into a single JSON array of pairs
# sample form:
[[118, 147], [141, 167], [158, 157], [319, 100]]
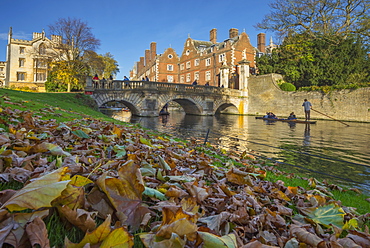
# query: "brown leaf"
[[37, 233], [306, 237], [79, 218]]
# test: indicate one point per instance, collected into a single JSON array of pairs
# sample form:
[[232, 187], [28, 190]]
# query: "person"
[[195, 82], [207, 84], [146, 78], [96, 81], [307, 109], [103, 83], [292, 116], [271, 115], [127, 82]]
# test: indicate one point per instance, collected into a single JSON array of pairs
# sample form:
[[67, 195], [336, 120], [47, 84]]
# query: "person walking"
[[307, 109], [127, 82]]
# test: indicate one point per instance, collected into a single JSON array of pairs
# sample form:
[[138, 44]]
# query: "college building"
[[27, 61], [203, 61]]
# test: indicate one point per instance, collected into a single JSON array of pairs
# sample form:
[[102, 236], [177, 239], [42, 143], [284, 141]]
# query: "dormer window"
[[187, 52]]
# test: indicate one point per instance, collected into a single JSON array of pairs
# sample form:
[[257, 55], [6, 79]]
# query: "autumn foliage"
[[167, 192]]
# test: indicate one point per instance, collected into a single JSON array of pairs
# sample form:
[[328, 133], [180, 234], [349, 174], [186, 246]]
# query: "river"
[[325, 150]]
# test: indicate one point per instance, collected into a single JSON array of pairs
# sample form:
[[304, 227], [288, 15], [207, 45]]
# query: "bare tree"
[[327, 17], [76, 38]]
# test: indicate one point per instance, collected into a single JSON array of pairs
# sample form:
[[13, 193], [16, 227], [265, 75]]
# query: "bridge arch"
[[148, 98]]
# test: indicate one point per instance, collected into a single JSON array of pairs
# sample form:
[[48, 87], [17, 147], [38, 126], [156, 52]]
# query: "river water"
[[325, 150]]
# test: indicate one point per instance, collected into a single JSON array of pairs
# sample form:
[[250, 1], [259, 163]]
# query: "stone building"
[[204, 61], [27, 60], [2, 73]]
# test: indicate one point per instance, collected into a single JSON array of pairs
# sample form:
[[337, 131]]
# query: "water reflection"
[[336, 152]]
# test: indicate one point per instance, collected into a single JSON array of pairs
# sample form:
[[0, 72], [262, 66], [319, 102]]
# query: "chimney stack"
[[233, 32], [147, 57], [261, 42], [153, 50], [213, 36]]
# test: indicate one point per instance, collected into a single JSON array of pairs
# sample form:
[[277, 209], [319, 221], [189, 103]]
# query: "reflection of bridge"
[[148, 98]]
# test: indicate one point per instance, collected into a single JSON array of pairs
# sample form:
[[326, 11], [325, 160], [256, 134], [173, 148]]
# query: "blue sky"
[[126, 28]]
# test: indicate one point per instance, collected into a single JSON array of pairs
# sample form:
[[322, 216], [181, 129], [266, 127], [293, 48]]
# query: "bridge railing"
[[160, 86]]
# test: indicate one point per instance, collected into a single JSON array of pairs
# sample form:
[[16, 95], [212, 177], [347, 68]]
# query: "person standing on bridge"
[[146, 78], [127, 82], [307, 109]]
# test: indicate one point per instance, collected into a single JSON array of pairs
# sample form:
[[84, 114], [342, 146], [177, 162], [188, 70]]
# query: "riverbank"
[[141, 185]]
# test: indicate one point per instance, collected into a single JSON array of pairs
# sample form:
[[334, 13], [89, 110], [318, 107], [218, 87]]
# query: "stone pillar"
[[244, 74], [224, 75]]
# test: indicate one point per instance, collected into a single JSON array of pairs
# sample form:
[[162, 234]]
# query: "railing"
[[159, 86]]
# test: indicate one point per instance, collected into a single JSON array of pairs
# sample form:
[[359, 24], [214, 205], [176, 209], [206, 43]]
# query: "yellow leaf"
[[80, 181], [39, 193], [94, 237], [211, 240], [118, 238]]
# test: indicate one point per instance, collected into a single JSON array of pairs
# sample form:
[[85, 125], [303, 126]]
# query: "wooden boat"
[[286, 120]]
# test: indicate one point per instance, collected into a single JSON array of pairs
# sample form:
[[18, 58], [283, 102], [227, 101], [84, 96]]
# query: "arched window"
[[42, 49]]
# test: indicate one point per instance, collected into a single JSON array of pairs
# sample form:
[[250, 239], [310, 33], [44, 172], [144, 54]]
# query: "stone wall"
[[265, 95]]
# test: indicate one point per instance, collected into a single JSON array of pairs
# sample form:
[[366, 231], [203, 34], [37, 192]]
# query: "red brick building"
[[200, 60]]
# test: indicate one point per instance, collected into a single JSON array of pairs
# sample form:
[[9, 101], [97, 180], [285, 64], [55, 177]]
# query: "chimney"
[[147, 57], [213, 36], [233, 32], [141, 65], [153, 50], [261, 42]]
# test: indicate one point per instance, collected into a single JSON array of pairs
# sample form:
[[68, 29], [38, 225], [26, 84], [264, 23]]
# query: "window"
[[40, 64], [187, 52], [40, 77], [21, 62], [208, 62], [182, 80], [208, 75], [196, 75], [221, 57], [169, 67], [42, 49], [196, 62], [21, 50], [170, 78], [170, 56], [21, 76], [188, 77], [188, 65], [1, 68], [182, 67]]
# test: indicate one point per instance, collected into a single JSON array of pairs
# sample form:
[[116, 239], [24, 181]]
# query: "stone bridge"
[[145, 98]]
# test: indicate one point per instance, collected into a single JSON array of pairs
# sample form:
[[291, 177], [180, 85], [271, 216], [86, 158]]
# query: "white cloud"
[[18, 35]]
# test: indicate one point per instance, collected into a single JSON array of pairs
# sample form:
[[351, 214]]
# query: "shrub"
[[287, 87]]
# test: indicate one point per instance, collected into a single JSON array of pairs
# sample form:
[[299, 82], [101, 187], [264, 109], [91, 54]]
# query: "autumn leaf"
[[154, 194], [211, 240], [39, 193], [94, 237], [119, 238], [329, 214], [81, 134], [37, 233]]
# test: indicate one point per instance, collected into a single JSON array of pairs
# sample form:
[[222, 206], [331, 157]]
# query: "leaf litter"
[[170, 193]]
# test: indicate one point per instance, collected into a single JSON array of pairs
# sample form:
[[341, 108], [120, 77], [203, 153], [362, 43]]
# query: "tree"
[[76, 38], [318, 17], [111, 66], [95, 63], [307, 62]]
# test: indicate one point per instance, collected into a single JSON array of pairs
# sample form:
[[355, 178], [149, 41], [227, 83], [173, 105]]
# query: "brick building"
[[200, 60]]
